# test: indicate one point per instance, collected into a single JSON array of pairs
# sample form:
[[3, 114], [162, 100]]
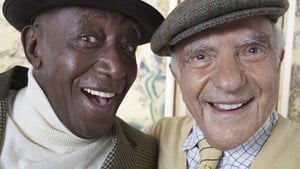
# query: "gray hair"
[[279, 39], [279, 46]]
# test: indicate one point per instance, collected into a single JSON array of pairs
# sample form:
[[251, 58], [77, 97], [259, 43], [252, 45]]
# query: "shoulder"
[[15, 78], [282, 147], [10, 81], [134, 135], [174, 121], [17, 72], [289, 133], [290, 126], [133, 143], [172, 132], [286, 134], [167, 127]]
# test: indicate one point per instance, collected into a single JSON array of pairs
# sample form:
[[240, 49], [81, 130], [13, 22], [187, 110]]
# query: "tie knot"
[[209, 156]]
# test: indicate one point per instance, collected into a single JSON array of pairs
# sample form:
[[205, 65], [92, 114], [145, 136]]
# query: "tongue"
[[100, 100]]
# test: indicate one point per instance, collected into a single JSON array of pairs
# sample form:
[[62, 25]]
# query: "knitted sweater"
[[281, 151]]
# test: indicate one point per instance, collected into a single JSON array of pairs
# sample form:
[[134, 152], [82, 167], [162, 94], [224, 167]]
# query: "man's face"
[[229, 78], [87, 65]]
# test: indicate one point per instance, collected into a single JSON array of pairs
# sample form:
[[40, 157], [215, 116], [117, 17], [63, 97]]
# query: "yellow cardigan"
[[281, 151]]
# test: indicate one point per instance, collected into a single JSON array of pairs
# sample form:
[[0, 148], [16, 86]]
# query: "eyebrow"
[[258, 38], [198, 48]]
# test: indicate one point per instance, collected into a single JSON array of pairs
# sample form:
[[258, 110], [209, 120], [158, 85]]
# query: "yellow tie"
[[209, 156]]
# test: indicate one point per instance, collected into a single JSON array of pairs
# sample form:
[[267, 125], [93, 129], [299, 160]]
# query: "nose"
[[110, 63], [229, 75]]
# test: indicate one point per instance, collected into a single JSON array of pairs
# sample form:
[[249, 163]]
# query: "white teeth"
[[99, 93], [228, 106]]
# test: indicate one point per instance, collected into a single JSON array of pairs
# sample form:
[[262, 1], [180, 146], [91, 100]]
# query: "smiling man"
[[225, 57], [61, 113]]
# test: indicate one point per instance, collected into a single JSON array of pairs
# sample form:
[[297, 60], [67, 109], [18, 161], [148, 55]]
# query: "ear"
[[174, 70], [281, 57], [29, 38]]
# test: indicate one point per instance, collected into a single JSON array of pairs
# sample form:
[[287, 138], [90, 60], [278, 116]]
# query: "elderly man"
[[61, 113], [225, 57]]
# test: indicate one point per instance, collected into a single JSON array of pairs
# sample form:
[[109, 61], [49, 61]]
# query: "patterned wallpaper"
[[11, 52], [294, 100]]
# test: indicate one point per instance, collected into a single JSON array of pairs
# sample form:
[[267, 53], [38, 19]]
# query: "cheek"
[[73, 65], [131, 73], [192, 83], [270, 91], [67, 71], [267, 79], [187, 86]]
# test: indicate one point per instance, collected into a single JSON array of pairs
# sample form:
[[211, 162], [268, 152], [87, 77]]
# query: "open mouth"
[[229, 107], [100, 98]]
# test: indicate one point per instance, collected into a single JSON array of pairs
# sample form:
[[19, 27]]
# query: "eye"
[[198, 61], [254, 53], [129, 48], [89, 39], [199, 57], [254, 50]]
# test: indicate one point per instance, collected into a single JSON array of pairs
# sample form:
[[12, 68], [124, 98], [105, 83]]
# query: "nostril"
[[229, 80], [110, 67]]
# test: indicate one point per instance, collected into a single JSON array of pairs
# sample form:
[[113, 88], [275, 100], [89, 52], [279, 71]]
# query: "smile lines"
[[99, 93]]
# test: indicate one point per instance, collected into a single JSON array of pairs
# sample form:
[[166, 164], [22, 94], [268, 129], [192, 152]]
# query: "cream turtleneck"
[[36, 138]]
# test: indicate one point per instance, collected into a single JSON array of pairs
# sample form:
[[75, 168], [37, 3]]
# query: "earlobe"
[[173, 70], [29, 42], [281, 56]]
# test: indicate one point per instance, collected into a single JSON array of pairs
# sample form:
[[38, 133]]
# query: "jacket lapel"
[[3, 114], [122, 155], [14, 79]]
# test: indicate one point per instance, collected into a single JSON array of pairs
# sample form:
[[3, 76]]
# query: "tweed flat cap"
[[20, 13], [193, 16]]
